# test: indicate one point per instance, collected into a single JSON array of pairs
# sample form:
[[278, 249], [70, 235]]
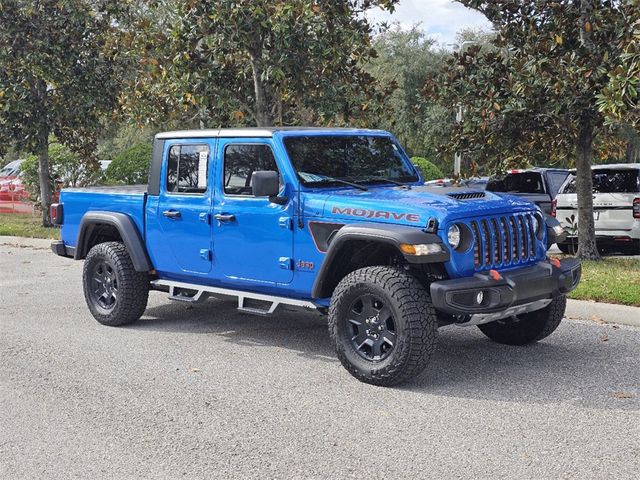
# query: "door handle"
[[223, 217], [172, 214]]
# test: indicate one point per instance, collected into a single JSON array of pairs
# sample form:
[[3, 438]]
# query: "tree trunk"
[[632, 153], [44, 176], [262, 112], [44, 172], [587, 248]]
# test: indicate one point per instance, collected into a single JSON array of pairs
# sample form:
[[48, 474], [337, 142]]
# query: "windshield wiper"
[[343, 182], [385, 179]]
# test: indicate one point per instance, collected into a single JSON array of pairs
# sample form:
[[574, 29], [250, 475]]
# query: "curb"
[[603, 312], [35, 243]]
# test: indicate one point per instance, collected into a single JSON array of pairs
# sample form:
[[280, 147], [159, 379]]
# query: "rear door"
[[184, 207]]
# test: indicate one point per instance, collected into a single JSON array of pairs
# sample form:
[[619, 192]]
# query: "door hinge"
[[286, 222], [205, 254], [206, 218], [286, 263]]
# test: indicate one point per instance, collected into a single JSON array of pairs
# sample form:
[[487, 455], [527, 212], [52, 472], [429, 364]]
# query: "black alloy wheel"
[[373, 328], [104, 285]]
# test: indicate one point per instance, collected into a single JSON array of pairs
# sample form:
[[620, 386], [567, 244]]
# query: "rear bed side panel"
[[127, 200]]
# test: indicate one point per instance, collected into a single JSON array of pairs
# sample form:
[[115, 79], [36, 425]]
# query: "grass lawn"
[[612, 280], [26, 226]]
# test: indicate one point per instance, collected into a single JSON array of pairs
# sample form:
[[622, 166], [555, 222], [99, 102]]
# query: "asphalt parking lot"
[[206, 392]]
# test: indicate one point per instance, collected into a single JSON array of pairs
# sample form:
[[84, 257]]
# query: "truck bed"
[[127, 199]]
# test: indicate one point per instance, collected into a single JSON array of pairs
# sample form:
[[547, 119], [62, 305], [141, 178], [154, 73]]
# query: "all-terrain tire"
[[529, 327], [565, 248], [128, 289], [413, 315]]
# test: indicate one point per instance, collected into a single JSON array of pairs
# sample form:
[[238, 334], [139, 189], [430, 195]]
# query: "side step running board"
[[191, 293]]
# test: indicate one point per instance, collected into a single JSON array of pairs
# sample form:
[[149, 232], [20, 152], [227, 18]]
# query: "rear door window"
[[187, 168]]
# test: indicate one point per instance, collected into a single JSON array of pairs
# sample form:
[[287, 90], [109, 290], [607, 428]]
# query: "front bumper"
[[526, 287]]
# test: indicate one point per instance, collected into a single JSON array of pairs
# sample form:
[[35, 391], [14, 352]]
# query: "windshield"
[[10, 169], [330, 159], [611, 181], [526, 182]]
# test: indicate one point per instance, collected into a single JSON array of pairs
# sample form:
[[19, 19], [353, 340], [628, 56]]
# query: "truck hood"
[[415, 207]]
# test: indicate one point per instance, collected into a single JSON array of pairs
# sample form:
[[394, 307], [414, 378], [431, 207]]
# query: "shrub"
[[131, 166], [428, 169], [67, 169]]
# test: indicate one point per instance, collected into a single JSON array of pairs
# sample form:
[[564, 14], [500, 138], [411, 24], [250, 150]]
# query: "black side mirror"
[[266, 183]]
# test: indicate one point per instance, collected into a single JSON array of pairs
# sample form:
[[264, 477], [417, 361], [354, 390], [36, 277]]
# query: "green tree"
[[260, 62], [404, 58], [537, 90], [57, 77], [620, 99], [131, 166], [428, 169]]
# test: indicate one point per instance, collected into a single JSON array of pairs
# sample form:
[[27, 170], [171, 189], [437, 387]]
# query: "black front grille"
[[503, 240]]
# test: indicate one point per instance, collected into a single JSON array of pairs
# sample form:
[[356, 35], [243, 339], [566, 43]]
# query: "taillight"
[[56, 213], [636, 208], [554, 207]]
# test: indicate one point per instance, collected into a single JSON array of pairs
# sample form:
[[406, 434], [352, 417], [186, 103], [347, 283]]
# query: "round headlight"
[[536, 224], [454, 236]]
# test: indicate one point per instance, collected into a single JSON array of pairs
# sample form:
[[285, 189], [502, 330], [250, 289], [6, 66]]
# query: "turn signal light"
[[421, 249]]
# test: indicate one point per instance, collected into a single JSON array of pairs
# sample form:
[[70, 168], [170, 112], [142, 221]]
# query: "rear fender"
[[126, 228]]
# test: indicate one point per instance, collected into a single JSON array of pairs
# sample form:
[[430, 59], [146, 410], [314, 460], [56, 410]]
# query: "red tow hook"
[[495, 275], [554, 261]]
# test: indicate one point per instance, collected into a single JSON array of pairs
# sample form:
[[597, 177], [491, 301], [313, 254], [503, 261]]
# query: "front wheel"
[[382, 325], [528, 327], [114, 291]]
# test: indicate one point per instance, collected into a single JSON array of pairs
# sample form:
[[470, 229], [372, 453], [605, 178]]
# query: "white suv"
[[616, 208]]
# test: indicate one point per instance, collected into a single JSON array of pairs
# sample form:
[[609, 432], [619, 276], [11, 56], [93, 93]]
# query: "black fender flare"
[[127, 230], [393, 235], [552, 237]]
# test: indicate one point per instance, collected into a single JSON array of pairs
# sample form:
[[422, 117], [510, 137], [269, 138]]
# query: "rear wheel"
[[528, 327], [114, 291], [382, 325]]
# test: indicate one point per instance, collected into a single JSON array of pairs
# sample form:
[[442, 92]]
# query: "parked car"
[[336, 220], [537, 185], [11, 187], [616, 208]]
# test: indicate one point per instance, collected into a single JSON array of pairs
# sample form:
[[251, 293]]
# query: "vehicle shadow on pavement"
[[580, 364]]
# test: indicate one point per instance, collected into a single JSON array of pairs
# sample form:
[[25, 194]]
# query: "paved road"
[[209, 393]]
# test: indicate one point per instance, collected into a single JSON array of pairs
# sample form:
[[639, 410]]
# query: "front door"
[[252, 237], [184, 207]]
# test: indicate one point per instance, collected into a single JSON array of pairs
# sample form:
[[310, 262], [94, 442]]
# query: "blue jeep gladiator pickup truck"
[[336, 220]]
